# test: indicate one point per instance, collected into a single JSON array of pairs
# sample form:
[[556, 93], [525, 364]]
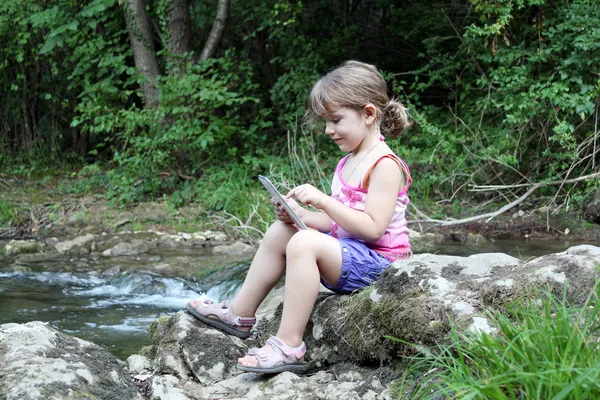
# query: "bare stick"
[[595, 132], [491, 215], [518, 201], [478, 188]]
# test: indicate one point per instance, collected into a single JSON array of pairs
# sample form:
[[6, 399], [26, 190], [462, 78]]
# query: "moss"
[[158, 330], [361, 329], [136, 226], [187, 227], [267, 385]]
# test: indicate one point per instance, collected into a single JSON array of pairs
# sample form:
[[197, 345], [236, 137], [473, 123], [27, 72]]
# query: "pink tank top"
[[394, 244]]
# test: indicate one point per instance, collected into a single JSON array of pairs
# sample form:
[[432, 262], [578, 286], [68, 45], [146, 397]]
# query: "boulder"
[[235, 249], [189, 350], [38, 362], [412, 301], [79, 245], [133, 248], [16, 247]]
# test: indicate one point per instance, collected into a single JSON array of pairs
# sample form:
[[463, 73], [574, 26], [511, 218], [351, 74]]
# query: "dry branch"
[[490, 215]]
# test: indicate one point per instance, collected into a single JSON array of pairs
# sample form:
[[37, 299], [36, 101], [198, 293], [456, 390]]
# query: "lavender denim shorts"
[[361, 266]]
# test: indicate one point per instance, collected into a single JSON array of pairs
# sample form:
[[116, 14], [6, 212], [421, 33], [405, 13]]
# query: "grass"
[[7, 213], [544, 349]]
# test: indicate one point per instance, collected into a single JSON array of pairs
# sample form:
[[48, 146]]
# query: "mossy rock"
[[16, 247]]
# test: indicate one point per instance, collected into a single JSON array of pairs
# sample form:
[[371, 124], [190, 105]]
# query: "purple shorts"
[[361, 266]]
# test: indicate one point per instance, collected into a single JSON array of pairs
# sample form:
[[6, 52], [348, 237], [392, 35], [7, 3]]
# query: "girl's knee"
[[278, 229], [303, 243], [279, 233]]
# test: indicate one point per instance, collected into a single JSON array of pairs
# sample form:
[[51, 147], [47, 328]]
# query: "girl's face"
[[347, 127]]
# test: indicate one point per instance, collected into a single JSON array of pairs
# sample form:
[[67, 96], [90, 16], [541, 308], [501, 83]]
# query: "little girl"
[[359, 230]]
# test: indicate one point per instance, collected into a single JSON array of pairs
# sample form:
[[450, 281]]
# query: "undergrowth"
[[543, 349]]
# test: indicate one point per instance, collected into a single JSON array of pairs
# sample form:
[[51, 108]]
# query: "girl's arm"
[[316, 219], [384, 184]]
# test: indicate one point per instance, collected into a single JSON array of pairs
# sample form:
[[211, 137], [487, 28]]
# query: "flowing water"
[[113, 301]]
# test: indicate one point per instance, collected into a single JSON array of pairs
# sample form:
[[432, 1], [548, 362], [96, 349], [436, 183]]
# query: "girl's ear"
[[370, 114]]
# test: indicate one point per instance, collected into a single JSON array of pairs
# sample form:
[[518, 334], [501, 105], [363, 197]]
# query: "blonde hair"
[[353, 85]]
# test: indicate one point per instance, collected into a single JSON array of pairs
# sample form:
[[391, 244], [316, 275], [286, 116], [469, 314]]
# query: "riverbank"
[[43, 208]]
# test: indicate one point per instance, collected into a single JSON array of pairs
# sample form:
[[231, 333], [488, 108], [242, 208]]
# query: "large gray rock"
[[237, 248], [189, 350], [37, 362], [79, 245], [133, 248]]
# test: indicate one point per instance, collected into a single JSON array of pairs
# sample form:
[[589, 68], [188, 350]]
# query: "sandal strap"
[[244, 321], [282, 353], [288, 351], [236, 320]]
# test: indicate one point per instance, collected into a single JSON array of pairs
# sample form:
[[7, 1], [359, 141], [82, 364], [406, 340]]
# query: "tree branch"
[[490, 215]]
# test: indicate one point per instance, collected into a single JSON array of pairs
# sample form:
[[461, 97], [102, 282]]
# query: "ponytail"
[[395, 118]]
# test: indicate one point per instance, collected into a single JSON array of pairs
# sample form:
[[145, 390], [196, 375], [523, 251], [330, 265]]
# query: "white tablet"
[[281, 200]]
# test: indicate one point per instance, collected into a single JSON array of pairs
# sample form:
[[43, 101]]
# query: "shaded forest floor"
[[32, 208]]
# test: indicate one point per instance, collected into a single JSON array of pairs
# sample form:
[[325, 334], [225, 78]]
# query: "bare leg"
[[310, 254], [266, 270]]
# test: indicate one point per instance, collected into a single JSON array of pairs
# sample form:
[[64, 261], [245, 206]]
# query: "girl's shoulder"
[[389, 163]]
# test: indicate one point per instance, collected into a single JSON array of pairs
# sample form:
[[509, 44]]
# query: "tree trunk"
[[180, 34], [144, 54], [84, 139], [217, 30], [27, 124]]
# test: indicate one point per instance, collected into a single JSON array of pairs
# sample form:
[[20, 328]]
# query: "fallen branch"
[[490, 215]]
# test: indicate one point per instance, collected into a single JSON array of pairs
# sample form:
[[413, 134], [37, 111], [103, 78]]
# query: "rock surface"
[[411, 301], [16, 247], [37, 362], [350, 352], [126, 244]]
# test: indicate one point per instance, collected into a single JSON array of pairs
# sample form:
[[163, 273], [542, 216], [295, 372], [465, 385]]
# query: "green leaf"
[[49, 45]]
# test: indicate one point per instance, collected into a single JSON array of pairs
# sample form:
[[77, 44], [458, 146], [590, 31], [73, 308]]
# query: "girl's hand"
[[308, 194], [282, 214]]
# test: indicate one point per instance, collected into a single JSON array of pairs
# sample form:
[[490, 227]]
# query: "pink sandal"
[[284, 358], [222, 317]]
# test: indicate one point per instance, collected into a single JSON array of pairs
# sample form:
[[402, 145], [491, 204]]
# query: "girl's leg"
[[266, 270], [310, 255]]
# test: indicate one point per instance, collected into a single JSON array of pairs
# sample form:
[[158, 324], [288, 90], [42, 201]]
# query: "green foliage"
[[524, 95], [501, 91], [541, 351], [201, 120], [7, 213], [90, 179]]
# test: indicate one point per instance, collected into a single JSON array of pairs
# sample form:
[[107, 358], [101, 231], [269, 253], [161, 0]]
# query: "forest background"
[[189, 101]]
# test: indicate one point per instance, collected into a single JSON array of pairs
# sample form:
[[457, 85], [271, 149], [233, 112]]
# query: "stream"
[[112, 301]]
